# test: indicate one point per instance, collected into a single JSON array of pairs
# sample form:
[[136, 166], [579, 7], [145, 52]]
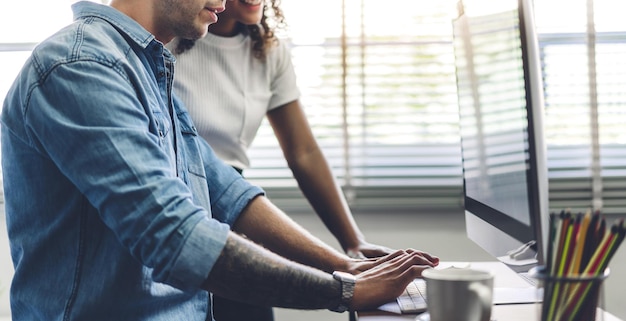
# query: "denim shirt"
[[115, 208]]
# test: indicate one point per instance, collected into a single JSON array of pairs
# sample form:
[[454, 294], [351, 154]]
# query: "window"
[[378, 86], [389, 127], [585, 100]]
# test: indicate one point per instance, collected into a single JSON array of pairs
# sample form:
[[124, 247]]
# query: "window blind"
[[379, 91], [389, 129], [584, 78], [378, 88]]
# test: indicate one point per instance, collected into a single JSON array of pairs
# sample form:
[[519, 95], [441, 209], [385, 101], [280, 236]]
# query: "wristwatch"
[[347, 290]]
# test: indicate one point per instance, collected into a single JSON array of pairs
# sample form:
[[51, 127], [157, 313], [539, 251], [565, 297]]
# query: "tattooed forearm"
[[249, 273]]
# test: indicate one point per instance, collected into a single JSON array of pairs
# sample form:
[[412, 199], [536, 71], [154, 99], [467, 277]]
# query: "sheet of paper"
[[517, 295]]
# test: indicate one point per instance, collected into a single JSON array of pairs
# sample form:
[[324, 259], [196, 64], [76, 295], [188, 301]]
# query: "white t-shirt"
[[228, 91]]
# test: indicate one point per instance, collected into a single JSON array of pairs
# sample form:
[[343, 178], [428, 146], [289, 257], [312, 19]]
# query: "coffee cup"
[[459, 294]]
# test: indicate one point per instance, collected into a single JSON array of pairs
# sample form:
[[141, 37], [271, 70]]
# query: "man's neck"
[[141, 11]]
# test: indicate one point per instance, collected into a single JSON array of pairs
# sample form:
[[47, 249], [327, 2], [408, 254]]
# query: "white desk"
[[509, 312], [504, 278]]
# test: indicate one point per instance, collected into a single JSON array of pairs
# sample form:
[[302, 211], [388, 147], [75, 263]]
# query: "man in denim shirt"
[[116, 210]]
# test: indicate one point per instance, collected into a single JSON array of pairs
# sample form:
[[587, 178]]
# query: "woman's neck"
[[225, 27]]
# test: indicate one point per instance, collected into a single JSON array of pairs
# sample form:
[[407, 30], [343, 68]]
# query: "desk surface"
[[509, 312], [504, 278]]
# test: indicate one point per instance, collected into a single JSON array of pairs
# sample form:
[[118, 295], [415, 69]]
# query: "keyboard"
[[413, 299]]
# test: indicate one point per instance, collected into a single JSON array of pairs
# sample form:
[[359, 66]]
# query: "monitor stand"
[[521, 259]]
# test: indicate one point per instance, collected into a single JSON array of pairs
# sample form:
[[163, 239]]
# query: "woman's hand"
[[368, 250]]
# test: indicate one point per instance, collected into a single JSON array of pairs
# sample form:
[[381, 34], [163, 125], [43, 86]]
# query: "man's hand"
[[357, 266], [386, 281]]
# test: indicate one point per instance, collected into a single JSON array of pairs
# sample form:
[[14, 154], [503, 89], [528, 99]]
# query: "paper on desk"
[[517, 295]]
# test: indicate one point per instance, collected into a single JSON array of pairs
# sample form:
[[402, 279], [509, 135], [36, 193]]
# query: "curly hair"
[[263, 34]]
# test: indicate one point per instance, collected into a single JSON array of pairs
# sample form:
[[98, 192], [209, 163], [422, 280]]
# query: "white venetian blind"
[[378, 86], [585, 95]]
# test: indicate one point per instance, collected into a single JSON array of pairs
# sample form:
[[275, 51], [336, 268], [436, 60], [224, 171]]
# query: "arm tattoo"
[[247, 272]]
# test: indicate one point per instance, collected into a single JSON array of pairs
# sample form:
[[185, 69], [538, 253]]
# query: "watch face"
[[344, 277]]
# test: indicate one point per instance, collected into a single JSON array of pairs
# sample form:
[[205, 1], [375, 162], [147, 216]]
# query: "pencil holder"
[[570, 298]]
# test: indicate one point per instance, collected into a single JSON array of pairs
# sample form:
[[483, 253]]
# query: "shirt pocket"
[[193, 165], [163, 126]]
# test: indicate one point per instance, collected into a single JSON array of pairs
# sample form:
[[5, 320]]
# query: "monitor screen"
[[500, 98]]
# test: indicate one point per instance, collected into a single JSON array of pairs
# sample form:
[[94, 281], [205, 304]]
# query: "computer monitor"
[[500, 97]]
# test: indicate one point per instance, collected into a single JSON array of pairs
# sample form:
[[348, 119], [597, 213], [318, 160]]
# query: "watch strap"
[[348, 282]]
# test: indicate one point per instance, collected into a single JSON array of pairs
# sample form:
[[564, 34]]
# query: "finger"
[[414, 272], [355, 254], [390, 257], [359, 266], [398, 264], [371, 250], [415, 259], [434, 260], [431, 258], [375, 253], [371, 268]]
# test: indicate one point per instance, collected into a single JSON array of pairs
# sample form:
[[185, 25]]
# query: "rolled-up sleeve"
[[198, 254]]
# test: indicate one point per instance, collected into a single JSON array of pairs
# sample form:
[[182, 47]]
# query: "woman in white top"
[[232, 78]]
